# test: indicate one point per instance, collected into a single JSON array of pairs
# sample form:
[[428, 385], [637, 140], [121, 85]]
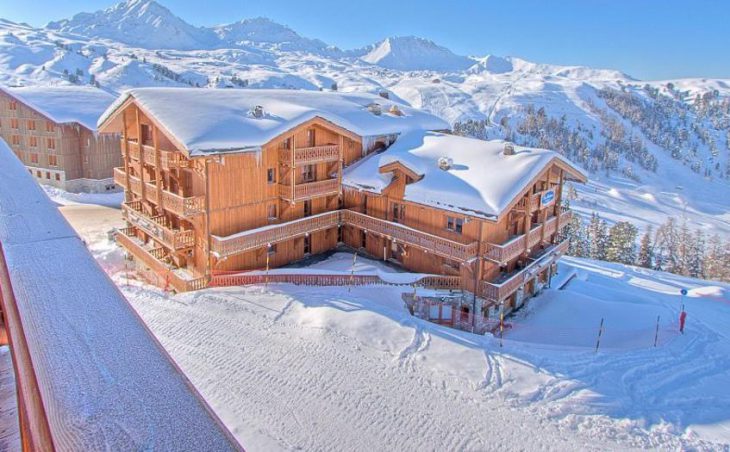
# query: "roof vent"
[[258, 111], [445, 163], [384, 94], [394, 110], [509, 149], [375, 109]]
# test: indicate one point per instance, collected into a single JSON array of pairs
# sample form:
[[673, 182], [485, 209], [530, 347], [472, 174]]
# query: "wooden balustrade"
[[429, 242], [535, 236], [89, 374], [183, 206], [159, 228], [505, 252], [120, 177], [257, 238], [311, 155], [241, 279], [310, 190], [535, 201]]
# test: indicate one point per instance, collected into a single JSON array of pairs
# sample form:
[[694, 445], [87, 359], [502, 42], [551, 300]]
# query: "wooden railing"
[[309, 190], [158, 227], [183, 206], [499, 291], [242, 279], [146, 153], [505, 252], [89, 374], [311, 155], [120, 177], [257, 238], [429, 242]]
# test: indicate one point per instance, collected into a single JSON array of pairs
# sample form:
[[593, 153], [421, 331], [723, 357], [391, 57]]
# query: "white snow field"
[[316, 368]]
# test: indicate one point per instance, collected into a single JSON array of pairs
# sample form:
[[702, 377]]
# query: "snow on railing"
[[312, 154], [89, 374]]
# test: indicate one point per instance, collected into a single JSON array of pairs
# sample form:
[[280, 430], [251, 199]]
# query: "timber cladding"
[[237, 211], [57, 153]]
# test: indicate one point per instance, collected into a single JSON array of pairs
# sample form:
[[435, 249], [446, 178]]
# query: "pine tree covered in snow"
[[646, 250], [597, 237], [621, 243]]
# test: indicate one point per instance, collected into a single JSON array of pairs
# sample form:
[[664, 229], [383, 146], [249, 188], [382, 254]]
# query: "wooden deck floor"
[[9, 430]]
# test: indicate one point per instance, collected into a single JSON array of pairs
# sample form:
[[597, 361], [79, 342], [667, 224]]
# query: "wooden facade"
[[191, 218], [64, 155]]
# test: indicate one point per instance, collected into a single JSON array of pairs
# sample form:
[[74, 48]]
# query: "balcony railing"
[[135, 184], [311, 155], [310, 190], [183, 206], [505, 252], [158, 227], [146, 153], [432, 243], [498, 291], [257, 238], [154, 260]]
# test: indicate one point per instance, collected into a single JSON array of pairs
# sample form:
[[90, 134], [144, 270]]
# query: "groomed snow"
[[64, 104], [482, 181], [220, 120]]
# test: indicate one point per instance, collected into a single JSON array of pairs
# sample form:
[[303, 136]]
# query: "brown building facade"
[[194, 214], [52, 130]]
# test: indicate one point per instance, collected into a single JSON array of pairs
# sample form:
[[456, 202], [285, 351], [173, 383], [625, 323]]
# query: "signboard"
[[547, 198]]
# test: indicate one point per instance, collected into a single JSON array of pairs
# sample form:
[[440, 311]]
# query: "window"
[[309, 173], [48, 175], [271, 175], [307, 244], [455, 224], [34, 142], [311, 137], [286, 144], [52, 160], [33, 157], [13, 105], [364, 241], [272, 212], [146, 134], [13, 123], [398, 212], [31, 124], [15, 140], [307, 208], [58, 177], [272, 249], [51, 142], [50, 127]]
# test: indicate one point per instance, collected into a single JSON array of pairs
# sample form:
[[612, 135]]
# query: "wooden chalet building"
[[232, 180], [52, 130]]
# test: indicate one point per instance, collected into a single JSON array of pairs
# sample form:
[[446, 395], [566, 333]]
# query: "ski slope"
[[315, 368]]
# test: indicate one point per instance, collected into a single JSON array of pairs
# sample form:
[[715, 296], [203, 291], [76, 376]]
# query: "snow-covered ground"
[[314, 368]]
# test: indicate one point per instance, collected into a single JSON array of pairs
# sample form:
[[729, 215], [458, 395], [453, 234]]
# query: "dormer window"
[[455, 224]]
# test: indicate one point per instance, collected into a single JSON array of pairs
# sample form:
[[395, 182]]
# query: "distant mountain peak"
[[411, 53], [141, 23]]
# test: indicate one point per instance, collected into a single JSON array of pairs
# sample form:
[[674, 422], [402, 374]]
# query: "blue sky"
[[648, 39]]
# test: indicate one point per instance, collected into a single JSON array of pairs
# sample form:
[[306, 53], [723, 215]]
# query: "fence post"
[[266, 279], [501, 323], [600, 331], [656, 334], [352, 272]]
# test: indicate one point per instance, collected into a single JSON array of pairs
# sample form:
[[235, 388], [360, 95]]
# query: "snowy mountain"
[[654, 149], [141, 23], [409, 53]]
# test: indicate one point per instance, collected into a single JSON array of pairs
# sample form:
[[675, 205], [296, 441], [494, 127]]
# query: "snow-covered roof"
[[481, 180], [63, 104], [220, 120]]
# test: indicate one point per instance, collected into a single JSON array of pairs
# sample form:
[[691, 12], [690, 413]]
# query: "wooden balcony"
[[498, 291], [429, 242], [119, 177], [260, 237], [154, 259], [309, 190], [158, 227], [505, 252], [146, 153], [310, 155], [135, 184], [183, 206]]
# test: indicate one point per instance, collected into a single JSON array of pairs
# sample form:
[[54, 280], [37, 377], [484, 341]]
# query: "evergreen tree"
[[715, 261], [665, 241], [596, 237], [646, 250], [575, 233], [695, 261], [621, 243]]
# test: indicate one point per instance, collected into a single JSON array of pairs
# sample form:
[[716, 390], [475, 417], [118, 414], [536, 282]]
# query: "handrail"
[[311, 154], [79, 387]]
